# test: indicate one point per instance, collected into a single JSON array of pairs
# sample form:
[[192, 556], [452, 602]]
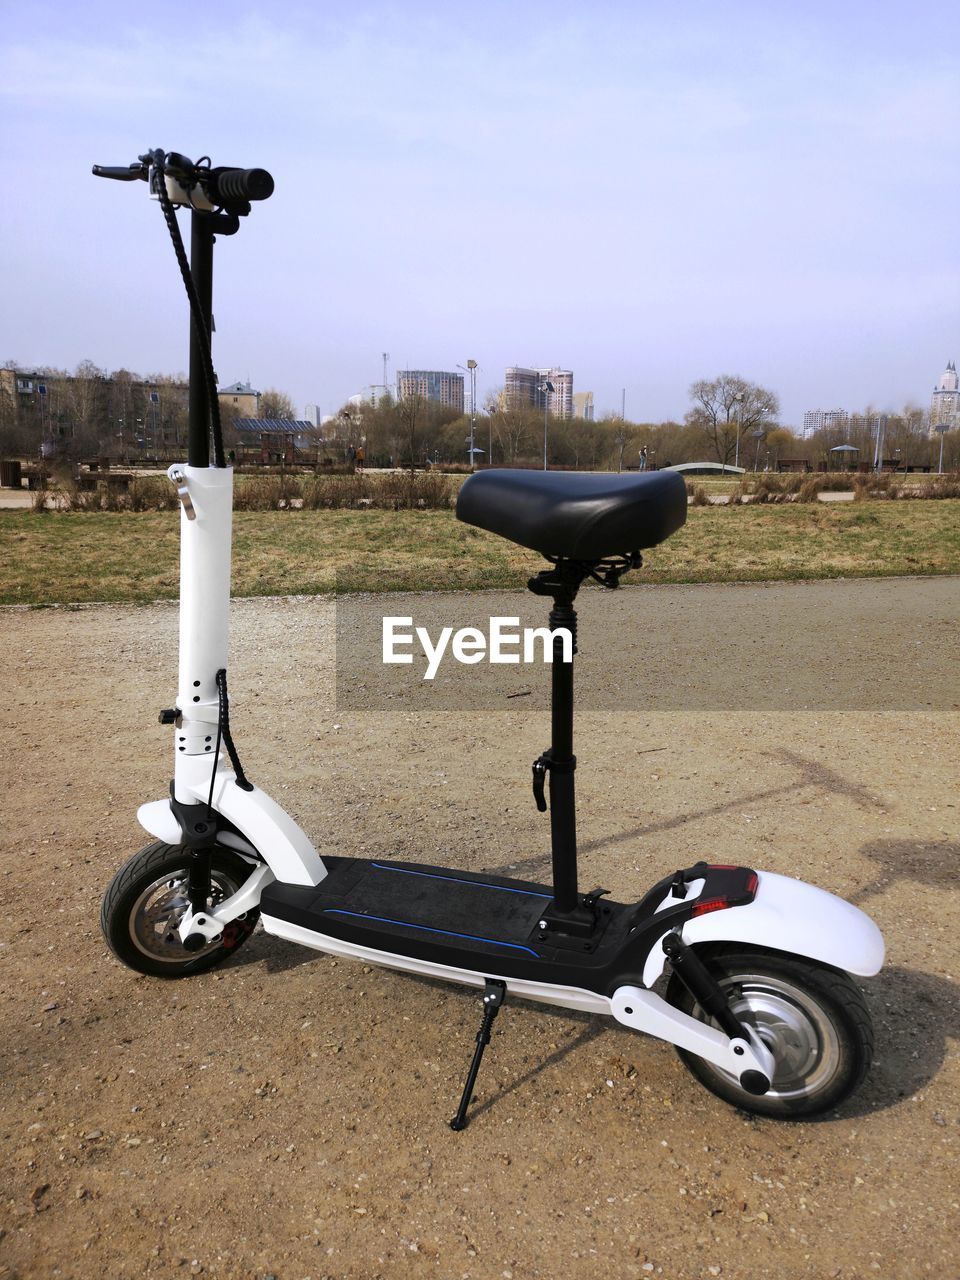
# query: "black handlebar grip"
[[225, 185]]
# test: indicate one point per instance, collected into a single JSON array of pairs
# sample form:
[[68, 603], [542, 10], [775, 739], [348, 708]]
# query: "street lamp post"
[[738, 401], [941, 430], [547, 389], [881, 424], [471, 368], [758, 436]]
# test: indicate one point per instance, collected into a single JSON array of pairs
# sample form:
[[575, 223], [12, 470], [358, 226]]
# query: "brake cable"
[[196, 311]]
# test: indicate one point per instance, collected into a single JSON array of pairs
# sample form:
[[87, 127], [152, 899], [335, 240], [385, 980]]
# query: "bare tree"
[[86, 405], [409, 412], [514, 430], [729, 407], [621, 434], [277, 404]]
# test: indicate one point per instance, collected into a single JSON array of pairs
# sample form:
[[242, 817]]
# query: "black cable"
[[223, 730], [196, 311], [216, 755], [226, 738]]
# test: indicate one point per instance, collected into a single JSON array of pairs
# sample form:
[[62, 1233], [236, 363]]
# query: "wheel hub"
[[155, 916], [794, 1028]]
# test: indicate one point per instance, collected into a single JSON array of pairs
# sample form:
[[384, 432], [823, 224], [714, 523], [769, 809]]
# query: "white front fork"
[[206, 523]]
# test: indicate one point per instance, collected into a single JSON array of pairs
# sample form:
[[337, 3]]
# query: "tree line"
[[731, 420], [90, 413]]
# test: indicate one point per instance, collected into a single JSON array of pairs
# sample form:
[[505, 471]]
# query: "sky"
[[646, 193]]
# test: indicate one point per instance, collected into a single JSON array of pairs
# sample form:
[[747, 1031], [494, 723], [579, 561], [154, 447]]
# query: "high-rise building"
[[523, 386], [520, 387], [374, 394], [431, 384], [583, 405], [560, 399], [824, 420], [945, 401]]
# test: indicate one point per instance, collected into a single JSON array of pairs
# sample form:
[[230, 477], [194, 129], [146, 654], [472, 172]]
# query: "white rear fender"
[[788, 915]]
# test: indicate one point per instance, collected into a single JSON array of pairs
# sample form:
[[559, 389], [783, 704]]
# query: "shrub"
[[809, 489], [434, 490], [870, 485], [151, 493], [330, 492], [770, 487], [267, 493], [697, 495], [836, 481], [944, 486]]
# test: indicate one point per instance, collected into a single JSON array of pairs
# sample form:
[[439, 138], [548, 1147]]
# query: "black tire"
[[146, 900], [811, 1016]]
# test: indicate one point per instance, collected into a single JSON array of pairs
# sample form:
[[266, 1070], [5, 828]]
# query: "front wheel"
[[147, 899], [812, 1018]]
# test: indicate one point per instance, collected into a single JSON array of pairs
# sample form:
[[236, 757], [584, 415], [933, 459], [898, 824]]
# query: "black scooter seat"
[[577, 515]]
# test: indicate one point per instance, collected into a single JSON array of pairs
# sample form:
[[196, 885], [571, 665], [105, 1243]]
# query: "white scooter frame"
[[782, 919]]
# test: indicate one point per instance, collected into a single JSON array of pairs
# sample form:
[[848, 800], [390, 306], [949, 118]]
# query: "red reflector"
[[711, 904], [753, 883], [722, 866]]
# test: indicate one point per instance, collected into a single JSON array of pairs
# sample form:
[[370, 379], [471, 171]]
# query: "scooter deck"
[[492, 925], [451, 917]]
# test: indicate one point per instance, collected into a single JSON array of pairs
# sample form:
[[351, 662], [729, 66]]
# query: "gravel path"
[[287, 1114]]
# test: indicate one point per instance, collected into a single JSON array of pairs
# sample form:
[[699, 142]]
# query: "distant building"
[[371, 395], [945, 401], [824, 420], [520, 387], [240, 399], [560, 399], [273, 441], [312, 414], [583, 405], [431, 384], [523, 386], [87, 412]]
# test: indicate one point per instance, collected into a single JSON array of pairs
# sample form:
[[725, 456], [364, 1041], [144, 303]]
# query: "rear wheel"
[[147, 899], [812, 1018]]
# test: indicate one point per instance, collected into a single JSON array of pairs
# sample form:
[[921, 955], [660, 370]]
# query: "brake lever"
[[120, 172]]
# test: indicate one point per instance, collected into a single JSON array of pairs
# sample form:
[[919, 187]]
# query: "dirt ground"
[[286, 1115]]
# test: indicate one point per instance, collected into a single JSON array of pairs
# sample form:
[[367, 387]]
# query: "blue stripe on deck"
[[425, 928], [473, 884]]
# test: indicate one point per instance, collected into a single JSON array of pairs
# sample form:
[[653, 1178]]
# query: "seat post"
[[563, 763], [566, 913]]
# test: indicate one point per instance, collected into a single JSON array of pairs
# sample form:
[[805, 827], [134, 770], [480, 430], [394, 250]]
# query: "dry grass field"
[[131, 557]]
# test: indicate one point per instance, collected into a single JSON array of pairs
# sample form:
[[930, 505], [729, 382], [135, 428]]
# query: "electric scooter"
[[746, 972]]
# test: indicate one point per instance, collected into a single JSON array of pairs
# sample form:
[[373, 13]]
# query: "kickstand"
[[494, 992]]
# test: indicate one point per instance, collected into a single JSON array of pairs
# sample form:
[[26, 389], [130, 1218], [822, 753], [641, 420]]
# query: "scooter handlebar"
[[224, 186]]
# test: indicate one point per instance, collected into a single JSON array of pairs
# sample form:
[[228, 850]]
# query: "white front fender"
[[788, 915], [269, 829]]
